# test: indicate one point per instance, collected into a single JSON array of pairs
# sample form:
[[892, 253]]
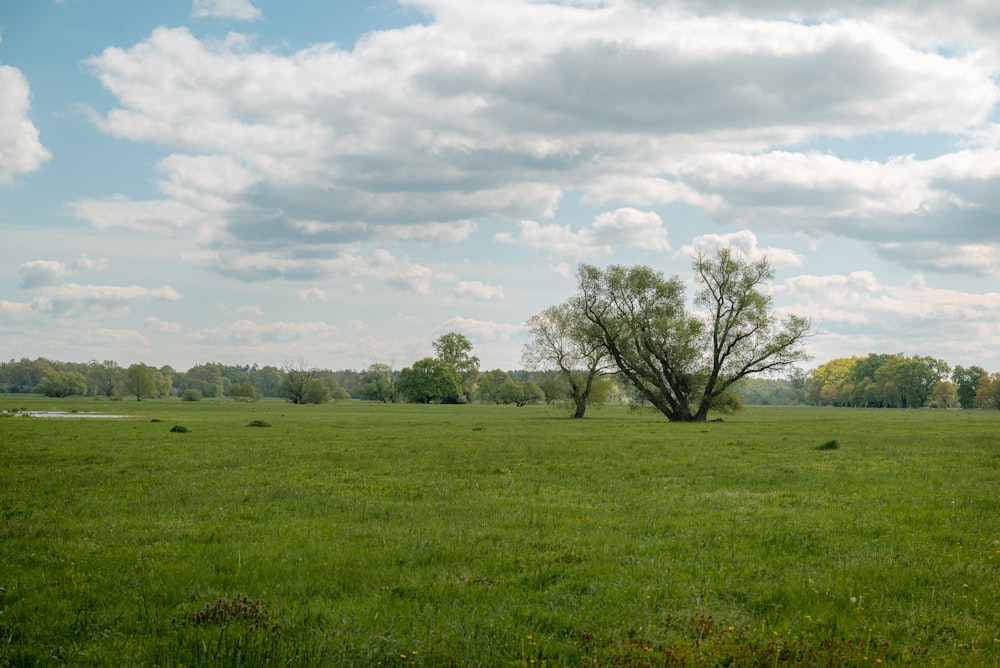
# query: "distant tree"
[[337, 393], [454, 350], [295, 379], [244, 391], [141, 381], [565, 340], [520, 393], [104, 378], [490, 383], [25, 374], [988, 394], [315, 392], [61, 384], [207, 378], [267, 379], [944, 395], [192, 394], [913, 378], [966, 380], [430, 381], [378, 383]]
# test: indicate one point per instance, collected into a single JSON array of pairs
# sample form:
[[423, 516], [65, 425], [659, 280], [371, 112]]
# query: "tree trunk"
[[581, 406]]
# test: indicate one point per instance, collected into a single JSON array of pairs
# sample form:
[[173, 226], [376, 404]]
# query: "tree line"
[[629, 333]]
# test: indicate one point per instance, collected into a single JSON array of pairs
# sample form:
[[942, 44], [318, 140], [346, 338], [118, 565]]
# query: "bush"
[[829, 445], [259, 423], [192, 394], [179, 429]]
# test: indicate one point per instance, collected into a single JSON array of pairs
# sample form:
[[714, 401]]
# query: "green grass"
[[367, 534]]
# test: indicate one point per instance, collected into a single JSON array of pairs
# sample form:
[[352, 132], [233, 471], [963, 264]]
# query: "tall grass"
[[363, 534]]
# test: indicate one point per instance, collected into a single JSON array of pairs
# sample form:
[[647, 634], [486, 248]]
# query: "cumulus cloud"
[[14, 308], [21, 151], [744, 243], [623, 228], [518, 102], [311, 295], [248, 332], [916, 317], [39, 273], [479, 290], [241, 10], [163, 326], [70, 295], [478, 330]]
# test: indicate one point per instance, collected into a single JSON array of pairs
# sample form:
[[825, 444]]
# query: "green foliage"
[[430, 381], [258, 423], [988, 393], [315, 392], [829, 445], [61, 384], [966, 380], [684, 363], [520, 393], [192, 394], [881, 381], [378, 384], [244, 391], [179, 429]]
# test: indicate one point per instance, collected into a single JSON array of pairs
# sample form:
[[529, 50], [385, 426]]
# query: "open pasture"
[[366, 534]]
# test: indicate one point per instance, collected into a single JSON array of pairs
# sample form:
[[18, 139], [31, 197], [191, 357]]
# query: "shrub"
[[192, 394], [179, 429], [829, 445], [259, 423]]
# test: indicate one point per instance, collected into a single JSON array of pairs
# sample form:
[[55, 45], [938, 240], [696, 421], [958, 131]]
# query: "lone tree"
[[685, 364], [564, 339]]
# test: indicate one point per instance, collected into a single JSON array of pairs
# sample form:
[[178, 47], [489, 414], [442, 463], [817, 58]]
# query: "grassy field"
[[364, 534]]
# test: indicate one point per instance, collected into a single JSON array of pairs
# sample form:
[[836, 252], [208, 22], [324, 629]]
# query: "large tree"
[[682, 363], [564, 339]]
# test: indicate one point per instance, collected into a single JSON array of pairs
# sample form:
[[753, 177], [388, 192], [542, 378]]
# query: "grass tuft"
[[829, 445]]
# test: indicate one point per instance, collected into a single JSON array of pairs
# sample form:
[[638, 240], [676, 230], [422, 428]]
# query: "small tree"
[[564, 339], [295, 378]]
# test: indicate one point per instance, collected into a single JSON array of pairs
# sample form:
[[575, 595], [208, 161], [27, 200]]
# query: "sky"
[[338, 183]]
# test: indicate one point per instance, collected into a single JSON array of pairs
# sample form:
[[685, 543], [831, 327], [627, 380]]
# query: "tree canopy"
[[685, 363]]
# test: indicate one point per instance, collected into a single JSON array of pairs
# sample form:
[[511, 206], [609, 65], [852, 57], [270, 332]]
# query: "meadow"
[[361, 534]]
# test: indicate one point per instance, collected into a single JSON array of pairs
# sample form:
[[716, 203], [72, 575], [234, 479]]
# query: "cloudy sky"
[[343, 181]]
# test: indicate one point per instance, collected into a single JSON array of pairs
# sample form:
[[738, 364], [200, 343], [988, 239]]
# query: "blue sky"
[[247, 181]]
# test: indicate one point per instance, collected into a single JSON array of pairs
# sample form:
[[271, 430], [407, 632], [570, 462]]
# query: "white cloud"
[[40, 273], [163, 326], [74, 293], [622, 228], [248, 332], [252, 309], [915, 318], [745, 244], [313, 294], [14, 308], [20, 149], [421, 134], [479, 290], [478, 330], [241, 10], [85, 263]]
